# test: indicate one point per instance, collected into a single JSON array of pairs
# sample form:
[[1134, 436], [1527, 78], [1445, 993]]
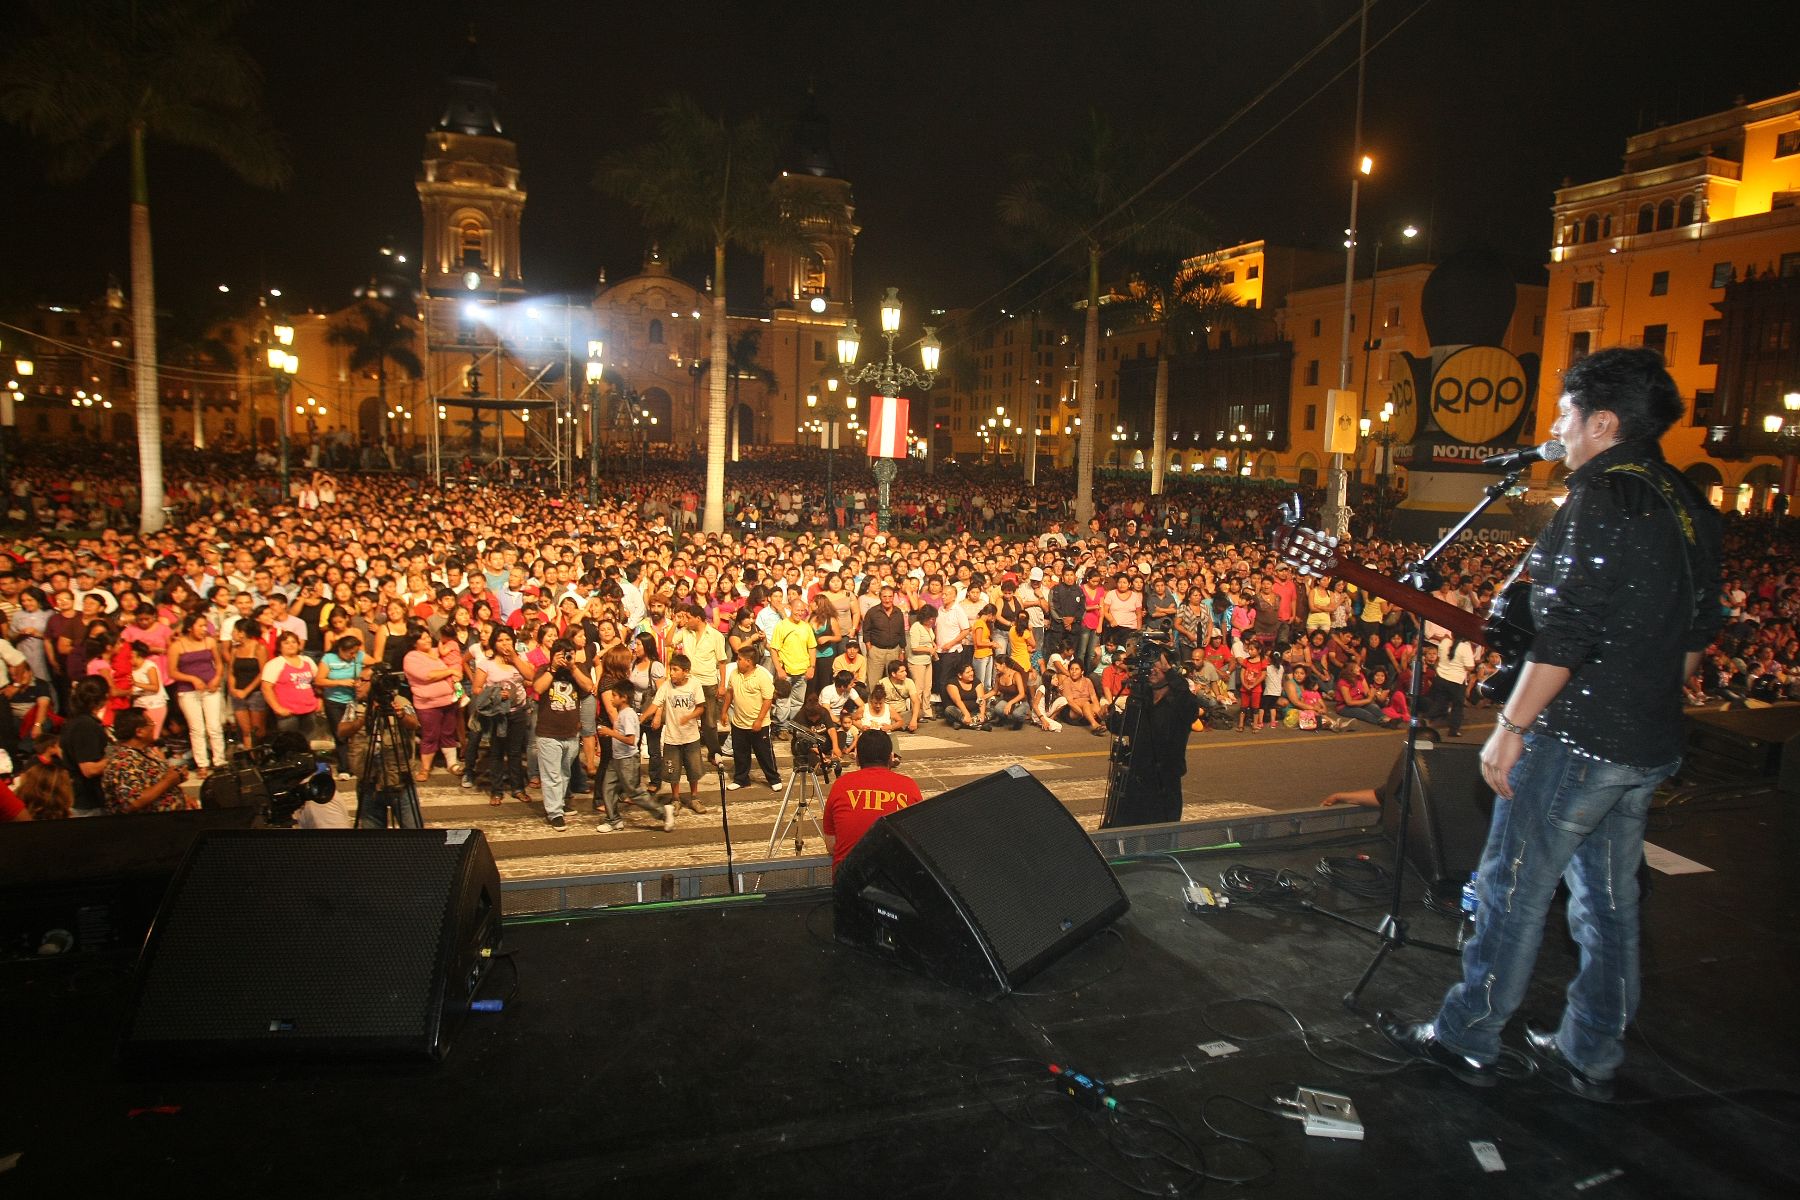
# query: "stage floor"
[[732, 1049]]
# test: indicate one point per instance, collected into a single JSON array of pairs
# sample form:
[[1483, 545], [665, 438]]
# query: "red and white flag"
[[887, 427]]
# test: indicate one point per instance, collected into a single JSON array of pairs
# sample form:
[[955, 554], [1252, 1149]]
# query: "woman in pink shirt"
[[433, 684], [287, 683]]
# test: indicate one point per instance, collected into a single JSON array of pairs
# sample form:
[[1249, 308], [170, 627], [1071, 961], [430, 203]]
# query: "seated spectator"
[[903, 695], [965, 700], [1355, 698], [136, 778], [1082, 704], [1010, 701]]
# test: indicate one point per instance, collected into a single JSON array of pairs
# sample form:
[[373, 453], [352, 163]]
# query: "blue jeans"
[[1571, 817]]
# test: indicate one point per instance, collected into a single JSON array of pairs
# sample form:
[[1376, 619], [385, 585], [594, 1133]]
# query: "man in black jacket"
[[1625, 585], [1067, 607]]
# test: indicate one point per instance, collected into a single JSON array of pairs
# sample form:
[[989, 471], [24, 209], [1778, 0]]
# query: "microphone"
[[1550, 451]]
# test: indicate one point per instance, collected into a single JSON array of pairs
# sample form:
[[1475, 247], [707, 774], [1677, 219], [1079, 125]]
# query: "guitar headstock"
[[1307, 550]]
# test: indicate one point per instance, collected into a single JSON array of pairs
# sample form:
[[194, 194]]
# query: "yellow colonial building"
[[1693, 250]]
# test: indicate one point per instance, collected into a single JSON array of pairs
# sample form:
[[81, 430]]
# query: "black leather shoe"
[[1560, 1071], [1417, 1039]]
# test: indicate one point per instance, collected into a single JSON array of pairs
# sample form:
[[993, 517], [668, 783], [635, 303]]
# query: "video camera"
[[385, 684]]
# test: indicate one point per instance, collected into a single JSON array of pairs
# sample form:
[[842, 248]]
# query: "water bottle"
[[1471, 904]]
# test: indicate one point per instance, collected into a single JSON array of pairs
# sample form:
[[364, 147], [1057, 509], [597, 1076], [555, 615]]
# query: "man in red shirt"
[[862, 797]]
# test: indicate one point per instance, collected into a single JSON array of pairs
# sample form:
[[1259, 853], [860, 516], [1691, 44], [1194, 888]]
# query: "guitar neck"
[[1462, 624]]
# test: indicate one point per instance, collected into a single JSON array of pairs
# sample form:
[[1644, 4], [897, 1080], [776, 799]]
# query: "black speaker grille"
[[297, 937], [1003, 845]]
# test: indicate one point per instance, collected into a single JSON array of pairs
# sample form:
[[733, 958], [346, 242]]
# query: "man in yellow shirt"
[[750, 691]]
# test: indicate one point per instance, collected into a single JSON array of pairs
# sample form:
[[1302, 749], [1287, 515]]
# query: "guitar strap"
[[1665, 487]]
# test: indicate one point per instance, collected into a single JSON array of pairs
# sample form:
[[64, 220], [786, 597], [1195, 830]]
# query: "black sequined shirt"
[[1625, 583]]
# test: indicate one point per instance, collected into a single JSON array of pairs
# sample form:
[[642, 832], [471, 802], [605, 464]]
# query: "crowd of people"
[[556, 647]]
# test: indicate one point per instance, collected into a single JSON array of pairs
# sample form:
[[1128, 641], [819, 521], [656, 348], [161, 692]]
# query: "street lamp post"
[[1383, 436], [830, 413], [888, 378], [595, 369], [284, 365], [1786, 432], [1370, 341], [23, 368]]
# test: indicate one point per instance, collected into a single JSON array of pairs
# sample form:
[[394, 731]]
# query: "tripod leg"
[[1353, 998]]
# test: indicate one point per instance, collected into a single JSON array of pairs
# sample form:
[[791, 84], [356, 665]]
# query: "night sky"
[[1475, 111]]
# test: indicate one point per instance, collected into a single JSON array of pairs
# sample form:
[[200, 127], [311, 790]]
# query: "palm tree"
[[742, 364], [706, 183], [379, 335], [1178, 298], [107, 72], [1075, 209]]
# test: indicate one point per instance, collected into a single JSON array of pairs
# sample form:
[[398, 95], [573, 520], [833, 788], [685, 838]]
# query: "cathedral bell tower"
[[469, 193], [813, 286]]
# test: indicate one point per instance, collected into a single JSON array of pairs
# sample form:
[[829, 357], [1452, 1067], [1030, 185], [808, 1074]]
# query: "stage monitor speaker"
[[322, 943], [980, 887], [1451, 808]]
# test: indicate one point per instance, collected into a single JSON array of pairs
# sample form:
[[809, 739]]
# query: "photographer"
[[380, 786], [558, 687], [817, 742], [1159, 713]]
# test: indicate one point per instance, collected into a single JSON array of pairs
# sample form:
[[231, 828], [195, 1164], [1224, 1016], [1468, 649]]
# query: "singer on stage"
[[1625, 584]]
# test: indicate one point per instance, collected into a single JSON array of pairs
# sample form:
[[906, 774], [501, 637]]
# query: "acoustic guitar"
[[1508, 627]]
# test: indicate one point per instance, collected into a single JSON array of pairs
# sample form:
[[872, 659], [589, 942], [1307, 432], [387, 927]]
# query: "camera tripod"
[[803, 787], [390, 746]]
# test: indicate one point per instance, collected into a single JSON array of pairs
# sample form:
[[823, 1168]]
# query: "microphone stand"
[[1392, 931], [725, 816]]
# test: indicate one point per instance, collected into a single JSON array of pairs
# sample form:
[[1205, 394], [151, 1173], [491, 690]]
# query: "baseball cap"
[[1037, 574]]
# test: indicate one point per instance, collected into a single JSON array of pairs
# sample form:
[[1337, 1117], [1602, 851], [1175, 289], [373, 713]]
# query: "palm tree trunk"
[[737, 400], [714, 521], [199, 424], [1090, 355], [143, 344], [381, 396], [1159, 425]]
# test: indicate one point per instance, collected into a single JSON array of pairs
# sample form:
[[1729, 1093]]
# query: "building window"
[[1790, 265], [1590, 228], [1703, 409], [1777, 332], [1688, 209], [1252, 272], [1584, 294], [473, 239], [1312, 372], [818, 350], [1787, 143], [1393, 317], [1659, 283], [1646, 219], [1656, 337], [1312, 417], [1606, 226], [1665, 215], [1722, 274], [1578, 345], [1711, 333], [1315, 326]]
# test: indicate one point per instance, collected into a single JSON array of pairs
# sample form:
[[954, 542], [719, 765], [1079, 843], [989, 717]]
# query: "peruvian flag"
[[887, 426]]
